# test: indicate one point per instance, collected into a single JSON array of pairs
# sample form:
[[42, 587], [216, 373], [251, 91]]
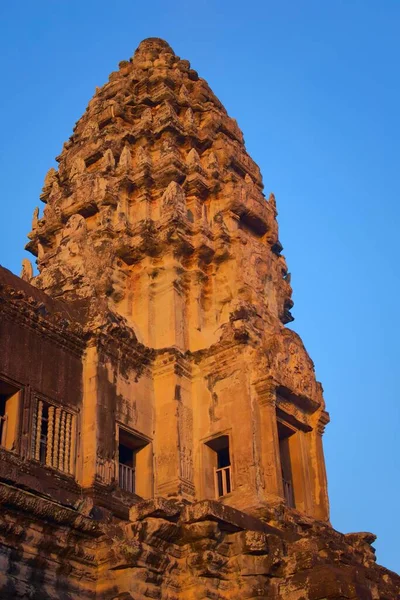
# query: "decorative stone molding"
[[266, 391], [322, 422]]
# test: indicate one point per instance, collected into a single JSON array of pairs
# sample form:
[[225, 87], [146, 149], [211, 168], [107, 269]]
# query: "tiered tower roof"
[[156, 180]]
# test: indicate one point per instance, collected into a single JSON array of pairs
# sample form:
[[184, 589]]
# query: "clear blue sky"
[[314, 85]]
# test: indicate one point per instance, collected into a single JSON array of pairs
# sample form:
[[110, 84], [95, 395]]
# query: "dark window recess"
[[284, 433], [252, 224], [222, 469], [129, 446]]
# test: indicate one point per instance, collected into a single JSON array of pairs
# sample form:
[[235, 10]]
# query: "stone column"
[[173, 440], [320, 488], [301, 476], [86, 470], [167, 319], [270, 458]]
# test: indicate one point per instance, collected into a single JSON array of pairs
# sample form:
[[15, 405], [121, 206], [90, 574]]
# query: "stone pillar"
[[320, 488], [86, 469], [12, 410], [144, 472], [270, 457], [167, 319], [301, 476], [195, 316], [138, 300], [173, 440]]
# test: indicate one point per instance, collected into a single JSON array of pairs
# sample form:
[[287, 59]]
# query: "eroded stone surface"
[[168, 557]]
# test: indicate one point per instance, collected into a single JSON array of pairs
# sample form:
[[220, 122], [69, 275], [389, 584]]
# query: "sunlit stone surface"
[[161, 428]]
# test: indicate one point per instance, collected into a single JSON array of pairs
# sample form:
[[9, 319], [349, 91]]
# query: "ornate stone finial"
[[212, 163], [173, 193], [35, 218], [189, 118], [153, 46], [193, 159], [125, 160], [184, 94], [27, 270], [109, 160], [50, 182], [174, 199], [50, 178]]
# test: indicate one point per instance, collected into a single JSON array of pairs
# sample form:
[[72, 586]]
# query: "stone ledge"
[[228, 518], [170, 510], [41, 508]]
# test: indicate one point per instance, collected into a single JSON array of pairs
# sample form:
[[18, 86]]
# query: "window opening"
[[9, 415], [52, 440], [128, 449], [222, 468], [284, 433]]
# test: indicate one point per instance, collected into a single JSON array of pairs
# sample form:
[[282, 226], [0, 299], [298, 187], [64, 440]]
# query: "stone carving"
[[174, 199], [125, 160], [78, 167], [75, 228], [27, 270], [35, 219], [109, 160]]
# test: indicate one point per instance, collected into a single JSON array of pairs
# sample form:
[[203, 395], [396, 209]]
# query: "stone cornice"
[[120, 342], [304, 403], [171, 359], [266, 391], [47, 510], [323, 420], [30, 313]]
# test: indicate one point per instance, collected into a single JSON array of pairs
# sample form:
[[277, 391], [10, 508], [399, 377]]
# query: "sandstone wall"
[[170, 551]]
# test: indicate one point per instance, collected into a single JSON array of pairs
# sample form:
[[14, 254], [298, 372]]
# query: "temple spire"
[[157, 131]]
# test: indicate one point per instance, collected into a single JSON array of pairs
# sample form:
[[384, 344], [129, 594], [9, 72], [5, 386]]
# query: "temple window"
[[222, 465], [284, 434], [53, 436], [9, 415], [130, 448]]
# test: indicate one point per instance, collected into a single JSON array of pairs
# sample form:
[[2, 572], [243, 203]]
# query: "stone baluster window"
[[53, 436]]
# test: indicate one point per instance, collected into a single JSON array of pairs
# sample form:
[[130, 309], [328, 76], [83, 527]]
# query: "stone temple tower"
[[157, 212], [160, 426]]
